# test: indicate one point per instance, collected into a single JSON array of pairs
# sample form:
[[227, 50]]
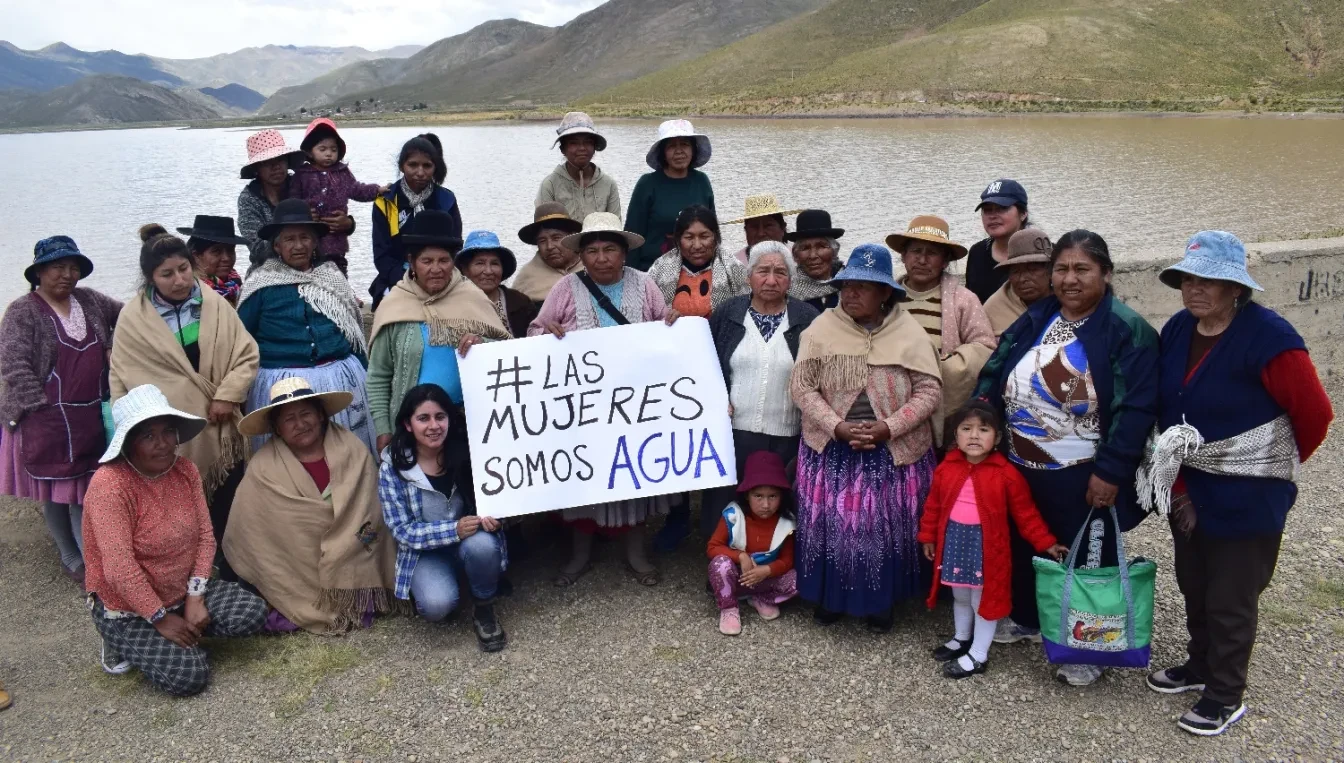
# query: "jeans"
[[434, 581]]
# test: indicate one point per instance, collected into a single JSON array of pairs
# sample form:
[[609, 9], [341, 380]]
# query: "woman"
[[698, 276], [306, 527], [1028, 267], [1240, 406], [950, 314], [53, 357], [577, 184], [430, 316], [756, 336], [606, 294], [150, 548], [305, 319], [675, 184], [763, 220], [866, 380], [487, 263], [1003, 212], [423, 171], [429, 506], [1076, 381], [181, 336], [816, 250], [212, 244], [550, 224]]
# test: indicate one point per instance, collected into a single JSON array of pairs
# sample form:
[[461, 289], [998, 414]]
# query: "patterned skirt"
[[858, 516], [346, 375], [963, 556]]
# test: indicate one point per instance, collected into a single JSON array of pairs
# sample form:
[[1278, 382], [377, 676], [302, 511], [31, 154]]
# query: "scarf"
[[1003, 308], [460, 309], [1268, 451], [226, 287], [322, 564], [837, 352], [728, 277], [322, 287], [147, 353], [417, 200], [536, 279]]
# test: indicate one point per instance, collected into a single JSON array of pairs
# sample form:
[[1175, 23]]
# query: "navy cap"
[[1004, 193]]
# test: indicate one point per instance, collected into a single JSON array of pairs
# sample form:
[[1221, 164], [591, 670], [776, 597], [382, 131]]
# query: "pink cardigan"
[[905, 400], [964, 319], [560, 306]]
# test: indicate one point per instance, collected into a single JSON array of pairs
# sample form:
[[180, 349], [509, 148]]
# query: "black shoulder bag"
[[603, 301]]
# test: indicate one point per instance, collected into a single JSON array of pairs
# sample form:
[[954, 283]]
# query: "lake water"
[[1144, 183]]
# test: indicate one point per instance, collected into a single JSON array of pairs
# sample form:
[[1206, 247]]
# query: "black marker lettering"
[[591, 363], [584, 461], [619, 405], [585, 405], [489, 469], [645, 401], [544, 415], [699, 409], [498, 418]]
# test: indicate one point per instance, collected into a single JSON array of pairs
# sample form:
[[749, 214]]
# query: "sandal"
[[567, 579], [648, 578]]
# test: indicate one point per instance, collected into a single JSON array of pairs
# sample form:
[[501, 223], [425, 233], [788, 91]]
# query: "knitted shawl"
[[727, 280], [1268, 450], [323, 287]]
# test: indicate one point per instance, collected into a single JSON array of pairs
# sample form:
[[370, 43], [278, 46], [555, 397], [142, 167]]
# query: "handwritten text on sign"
[[601, 415]]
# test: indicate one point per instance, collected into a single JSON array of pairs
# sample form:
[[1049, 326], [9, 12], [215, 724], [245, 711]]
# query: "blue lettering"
[[690, 452], [622, 452], [664, 462], [713, 455]]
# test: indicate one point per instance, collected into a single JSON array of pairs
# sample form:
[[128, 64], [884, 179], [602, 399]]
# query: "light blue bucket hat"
[[1215, 255], [481, 241], [869, 262]]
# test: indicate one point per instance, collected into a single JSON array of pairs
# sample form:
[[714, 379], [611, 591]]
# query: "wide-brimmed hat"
[[140, 405], [814, 223], [291, 212], [762, 205], [318, 130], [482, 241], [764, 468], [602, 222], [1004, 193], [218, 230], [679, 128], [433, 227], [1027, 246], [291, 390], [579, 123], [868, 262], [1213, 254], [549, 214], [56, 248], [264, 146], [927, 228]]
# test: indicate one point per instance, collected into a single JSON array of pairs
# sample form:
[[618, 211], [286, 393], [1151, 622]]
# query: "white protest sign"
[[602, 415]]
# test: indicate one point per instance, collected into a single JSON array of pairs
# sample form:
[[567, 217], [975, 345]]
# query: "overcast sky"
[[197, 28]]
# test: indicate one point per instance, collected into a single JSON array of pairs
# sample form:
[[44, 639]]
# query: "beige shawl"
[[536, 279], [460, 309], [1003, 308], [841, 350], [322, 564], [145, 352]]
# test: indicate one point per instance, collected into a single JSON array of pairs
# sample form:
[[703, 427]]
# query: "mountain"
[[267, 69], [59, 64], [102, 99], [237, 96]]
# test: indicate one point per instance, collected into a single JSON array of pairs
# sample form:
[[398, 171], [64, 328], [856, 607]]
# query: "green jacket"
[[394, 367]]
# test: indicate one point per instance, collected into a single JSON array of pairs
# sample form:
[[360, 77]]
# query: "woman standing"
[[53, 352], [578, 184], [487, 263], [212, 244], [550, 224], [698, 276], [1076, 382], [1028, 268], [866, 381], [423, 171], [1241, 406], [816, 250], [761, 221], [1003, 212], [675, 184]]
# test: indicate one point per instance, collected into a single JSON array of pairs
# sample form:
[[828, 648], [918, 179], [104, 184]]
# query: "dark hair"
[[786, 502], [429, 145], [696, 213], [661, 155], [158, 247], [977, 409], [1091, 244], [455, 445], [199, 246], [604, 235], [273, 414], [414, 250]]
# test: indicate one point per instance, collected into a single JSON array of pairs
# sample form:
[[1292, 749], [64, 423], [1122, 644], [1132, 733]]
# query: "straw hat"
[[927, 228], [602, 222], [1215, 255], [1027, 246], [679, 128], [140, 405], [579, 123], [291, 390], [264, 146], [548, 214], [762, 205]]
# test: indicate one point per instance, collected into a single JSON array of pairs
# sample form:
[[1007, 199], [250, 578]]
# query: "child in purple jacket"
[[327, 183]]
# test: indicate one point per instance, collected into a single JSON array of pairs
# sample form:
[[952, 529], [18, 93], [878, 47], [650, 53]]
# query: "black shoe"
[[954, 669], [489, 635], [881, 623], [942, 654], [1209, 718], [823, 616], [1174, 681]]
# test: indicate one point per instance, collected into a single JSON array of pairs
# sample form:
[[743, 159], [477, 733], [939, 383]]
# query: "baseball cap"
[[1004, 193]]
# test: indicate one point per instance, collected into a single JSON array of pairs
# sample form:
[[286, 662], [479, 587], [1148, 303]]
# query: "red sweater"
[[759, 534], [999, 492]]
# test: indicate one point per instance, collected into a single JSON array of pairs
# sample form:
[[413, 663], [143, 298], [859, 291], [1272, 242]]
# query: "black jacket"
[[520, 310], [982, 277], [727, 327]]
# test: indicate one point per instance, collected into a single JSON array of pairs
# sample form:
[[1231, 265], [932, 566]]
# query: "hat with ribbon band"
[[931, 228], [549, 214], [292, 390]]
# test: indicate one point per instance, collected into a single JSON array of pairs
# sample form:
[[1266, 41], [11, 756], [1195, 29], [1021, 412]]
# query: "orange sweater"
[[759, 534]]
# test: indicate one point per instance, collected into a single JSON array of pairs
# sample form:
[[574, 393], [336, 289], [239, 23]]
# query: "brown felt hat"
[[1027, 246], [549, 214], [927, 228]]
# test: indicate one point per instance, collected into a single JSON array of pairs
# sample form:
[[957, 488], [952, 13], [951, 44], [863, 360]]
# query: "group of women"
[[324, 479]]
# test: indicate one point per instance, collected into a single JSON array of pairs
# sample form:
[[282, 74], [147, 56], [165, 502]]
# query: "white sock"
[[963, 616], [984, 633]]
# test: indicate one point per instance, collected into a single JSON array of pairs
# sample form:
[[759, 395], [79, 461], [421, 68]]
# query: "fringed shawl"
[[323, 287], [460, 309], [535, 279], [837, 351], [727, 280]]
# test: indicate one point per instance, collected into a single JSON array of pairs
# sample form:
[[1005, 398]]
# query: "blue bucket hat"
[[869, 262], [56, 248], [1215, 255], [479, 241]]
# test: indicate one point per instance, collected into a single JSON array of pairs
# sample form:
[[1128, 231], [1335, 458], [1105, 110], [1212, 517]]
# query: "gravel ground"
[[611, 671]]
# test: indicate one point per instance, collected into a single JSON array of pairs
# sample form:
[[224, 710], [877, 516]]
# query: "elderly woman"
[[423, 172], [1076, 381], [577, 184], [607, 293], [430, 316], [306, 528], [181, 336], [550, 224], [213, 245], [149, 549], [53, 357], [487, 263], [1003, 212], [305, 319], [950, 314], [1240, 406], [816, 250], [1028, 266], [762, 220], [698, 276], [675, 184], [866, 380], [269, 161]]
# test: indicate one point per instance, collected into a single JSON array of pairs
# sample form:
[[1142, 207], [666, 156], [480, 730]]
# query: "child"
[[751, 551], [326, 183], [964, 532]]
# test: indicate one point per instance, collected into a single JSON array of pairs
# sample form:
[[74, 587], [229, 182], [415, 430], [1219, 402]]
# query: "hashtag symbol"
[[517, 383]]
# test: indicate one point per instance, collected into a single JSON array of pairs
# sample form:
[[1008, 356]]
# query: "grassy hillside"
[[105, 99]]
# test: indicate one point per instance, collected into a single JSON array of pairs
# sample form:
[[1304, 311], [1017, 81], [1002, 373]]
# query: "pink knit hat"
[[262, 147]]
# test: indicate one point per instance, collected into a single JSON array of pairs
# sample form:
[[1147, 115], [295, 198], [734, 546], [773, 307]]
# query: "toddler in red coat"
[[964, 532]]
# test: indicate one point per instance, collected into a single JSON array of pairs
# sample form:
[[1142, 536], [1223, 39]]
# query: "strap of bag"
[[1125, 587], [603, 301]]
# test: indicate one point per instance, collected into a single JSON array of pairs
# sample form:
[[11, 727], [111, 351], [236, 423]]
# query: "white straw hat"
[[579, 123], [140, 405], [762, 205], [679, 128], [289, 390], [602, 222]]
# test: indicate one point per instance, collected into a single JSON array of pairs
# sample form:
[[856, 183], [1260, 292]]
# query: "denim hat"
[[869, 262], [1215, 255], [1004, 193], [480, 241], [56, 248]]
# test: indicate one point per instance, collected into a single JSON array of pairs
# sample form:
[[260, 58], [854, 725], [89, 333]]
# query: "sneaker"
[[1174, 681], [489, 635], [112, 662], [1009, 632], [765, 609], [1078, 675], [1209, 718], [730, 622]]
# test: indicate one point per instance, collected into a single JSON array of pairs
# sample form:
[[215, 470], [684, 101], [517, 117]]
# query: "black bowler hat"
[[217, 230], [291, 212], [814, 223], [433, 227]]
